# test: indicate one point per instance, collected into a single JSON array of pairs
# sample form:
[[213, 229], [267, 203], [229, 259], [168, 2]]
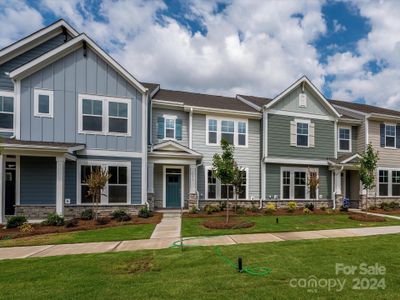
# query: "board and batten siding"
[[68, 77], [273, 180], [246, 157], [184, 116], [5, 81], [387, 157], [279, 139]]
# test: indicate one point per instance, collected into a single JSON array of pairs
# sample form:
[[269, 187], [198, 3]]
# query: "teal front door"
[[173, 189]]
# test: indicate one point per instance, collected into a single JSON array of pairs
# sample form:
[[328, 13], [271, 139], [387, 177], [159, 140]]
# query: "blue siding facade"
[[38, 180], [70, 181]]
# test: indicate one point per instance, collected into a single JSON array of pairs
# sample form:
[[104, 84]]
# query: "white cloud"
[[337, 27]]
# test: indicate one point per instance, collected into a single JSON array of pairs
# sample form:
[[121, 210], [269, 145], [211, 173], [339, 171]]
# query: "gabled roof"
[[365, 108], [152, 87], [68, 47], [203, 100], [305, 80], [258, 101], [351, 158], [172, 148], [35, 39]]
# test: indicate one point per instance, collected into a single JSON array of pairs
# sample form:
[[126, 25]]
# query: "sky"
[[349, 49]]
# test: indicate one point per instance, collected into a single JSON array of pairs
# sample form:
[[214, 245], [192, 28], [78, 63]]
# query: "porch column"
[[2, 198], [60, 185], [338, 182], [150, 177], [192, 180]]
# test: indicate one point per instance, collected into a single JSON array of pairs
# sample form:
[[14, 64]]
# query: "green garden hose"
[[255, 271]]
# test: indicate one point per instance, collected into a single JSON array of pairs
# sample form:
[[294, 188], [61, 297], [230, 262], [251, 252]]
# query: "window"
[[92, 115], [286, 184], [117, 184], [243, 187], [242, 133], [117, 189], [118, 117], [228, 131], [344, 139], [299, 185], [169, 128], [212, 131], [85, 173], [104, 115], [43, 101], [395, 183], [6, 113], [390, 136], [302, 134], [211, 185], [226, 190], [383, 183]]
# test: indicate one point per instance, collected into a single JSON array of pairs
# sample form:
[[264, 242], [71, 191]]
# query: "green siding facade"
[[273, 180], [279, 139]]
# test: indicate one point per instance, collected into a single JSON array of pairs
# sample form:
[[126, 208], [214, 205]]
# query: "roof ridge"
[[198, 93]]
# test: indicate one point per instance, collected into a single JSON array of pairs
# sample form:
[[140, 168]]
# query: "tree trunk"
[[227, 205]]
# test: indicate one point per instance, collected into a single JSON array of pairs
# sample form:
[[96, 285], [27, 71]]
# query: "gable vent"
[[302, 100]]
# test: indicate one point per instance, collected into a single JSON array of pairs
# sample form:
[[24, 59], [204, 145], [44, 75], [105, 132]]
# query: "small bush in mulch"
[[103, 220], [121, 215], [53, 220], [15, 221], [71, 223], [145, 212], [366, 218], [232, 224], [87, 214]]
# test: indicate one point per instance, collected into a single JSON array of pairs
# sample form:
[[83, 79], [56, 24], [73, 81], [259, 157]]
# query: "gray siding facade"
[[68, 77]]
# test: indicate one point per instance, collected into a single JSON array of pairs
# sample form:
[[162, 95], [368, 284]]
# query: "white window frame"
[[390, 182], [395, 133], [208, 131], [308, 122], [350, 138], [235, 131], [169, 117], [50, 94], [292, 170], [105, 116], [104, 164], [9, 94], [219, 185]]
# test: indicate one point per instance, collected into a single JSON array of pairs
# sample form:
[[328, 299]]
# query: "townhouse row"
[[67, 108]]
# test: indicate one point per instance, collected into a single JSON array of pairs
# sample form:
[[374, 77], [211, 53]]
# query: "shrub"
[[307, 211], [87, 214], [240, 210], [209, 209], [144, 212], [71, 223], [310, 206], [291, 206], [270, 208], [323, 208], [221, 206], [53, 220], [254, 209], [121, 215], [26, 227], [103, 220], [372, 207], [15, 221], [193, 210], [394, 205]]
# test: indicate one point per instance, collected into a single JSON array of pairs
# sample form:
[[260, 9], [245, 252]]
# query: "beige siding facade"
[[387, 157]]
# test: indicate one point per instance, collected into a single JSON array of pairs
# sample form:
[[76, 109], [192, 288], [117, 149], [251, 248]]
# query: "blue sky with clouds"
[[349, 49]]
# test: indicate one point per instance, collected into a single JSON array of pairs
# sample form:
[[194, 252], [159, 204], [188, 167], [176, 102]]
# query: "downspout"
[[197, 191], [190, 127]]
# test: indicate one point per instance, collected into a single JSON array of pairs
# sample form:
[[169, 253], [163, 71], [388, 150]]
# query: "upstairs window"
[[390, 136], [242, 132], [118, 117], [302, 134], [6, 113], [228, 131], [344, 139], [92, 115], [169, 128], [212, 131], [44, 103]]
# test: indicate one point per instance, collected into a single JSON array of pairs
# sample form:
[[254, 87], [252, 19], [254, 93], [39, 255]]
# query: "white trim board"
[[300, 115], [14, 113], [111, 153], [36, 94], [295, 161]]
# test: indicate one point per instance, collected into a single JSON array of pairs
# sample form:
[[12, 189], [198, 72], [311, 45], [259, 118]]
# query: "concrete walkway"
[[166, 242], [169, 227], [359, 211]]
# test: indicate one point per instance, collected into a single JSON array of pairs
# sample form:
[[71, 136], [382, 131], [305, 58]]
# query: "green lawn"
[[194, 227], [197, 273], [118, 233]]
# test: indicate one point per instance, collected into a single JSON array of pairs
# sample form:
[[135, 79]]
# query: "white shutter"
[[293, 134], [312, 135]]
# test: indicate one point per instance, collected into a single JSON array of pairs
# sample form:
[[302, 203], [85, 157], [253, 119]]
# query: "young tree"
[[223, 167], [313, 184], [237, 181], [368, 164], [96, 182]]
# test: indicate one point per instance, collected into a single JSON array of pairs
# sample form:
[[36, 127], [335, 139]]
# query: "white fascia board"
[[35, 39], [249, 103], [68, 47], [284, 160], [351, 158], [297, 83]]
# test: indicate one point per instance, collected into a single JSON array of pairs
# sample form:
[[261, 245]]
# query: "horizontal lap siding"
[[38, 180], [246, 157], [68, 77], [387, 157], [279, 139], [184, 116]]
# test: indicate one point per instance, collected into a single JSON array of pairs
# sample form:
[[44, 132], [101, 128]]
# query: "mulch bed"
[[279, 212], [82, 226], [382, 211], [366, 218], [232, 224]]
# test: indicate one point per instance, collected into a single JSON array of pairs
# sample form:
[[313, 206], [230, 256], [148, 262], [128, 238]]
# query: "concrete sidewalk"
[[169, 227], [359, 211], [162, 243]]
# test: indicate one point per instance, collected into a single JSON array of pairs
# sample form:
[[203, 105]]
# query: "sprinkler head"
[[277, 220], [240, 265]]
